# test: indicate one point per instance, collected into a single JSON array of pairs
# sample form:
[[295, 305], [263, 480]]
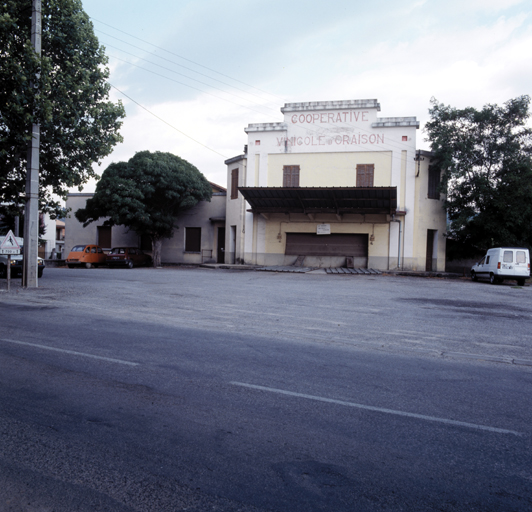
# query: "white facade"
[[329, 143]]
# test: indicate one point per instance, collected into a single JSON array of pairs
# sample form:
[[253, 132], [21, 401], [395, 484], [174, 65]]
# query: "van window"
[[487, 259], [520, 257], [508, 257]]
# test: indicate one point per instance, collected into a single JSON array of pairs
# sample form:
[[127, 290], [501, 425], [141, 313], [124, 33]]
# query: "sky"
[[193, 74]]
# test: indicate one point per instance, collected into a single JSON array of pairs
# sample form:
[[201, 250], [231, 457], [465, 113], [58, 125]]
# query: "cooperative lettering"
[[331, 117]]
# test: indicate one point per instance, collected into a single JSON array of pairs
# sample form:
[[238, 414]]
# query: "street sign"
[[9, 244]]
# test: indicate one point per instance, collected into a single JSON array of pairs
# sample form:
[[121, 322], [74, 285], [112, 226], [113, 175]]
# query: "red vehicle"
[[127, 257]]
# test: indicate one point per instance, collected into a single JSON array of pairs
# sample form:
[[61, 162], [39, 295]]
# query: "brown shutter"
[[336, 244], [434, 182], [291, 176], [234, 184], [365, 175]]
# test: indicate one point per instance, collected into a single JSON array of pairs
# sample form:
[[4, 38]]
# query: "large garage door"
[[310, 244]]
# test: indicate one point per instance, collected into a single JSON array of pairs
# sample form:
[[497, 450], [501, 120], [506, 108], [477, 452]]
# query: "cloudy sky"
[[193, 74]]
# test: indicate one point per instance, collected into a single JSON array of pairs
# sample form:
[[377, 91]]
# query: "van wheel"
[[88, 265], [520, 282], [493, 279], [474, 276]]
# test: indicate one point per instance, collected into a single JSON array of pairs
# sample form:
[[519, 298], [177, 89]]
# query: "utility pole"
[[31, 213]]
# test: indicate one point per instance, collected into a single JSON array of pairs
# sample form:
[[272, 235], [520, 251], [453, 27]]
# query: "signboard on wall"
[[323, 229]]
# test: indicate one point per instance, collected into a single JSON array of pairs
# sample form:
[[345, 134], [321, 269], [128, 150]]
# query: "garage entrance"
[[344, 245]]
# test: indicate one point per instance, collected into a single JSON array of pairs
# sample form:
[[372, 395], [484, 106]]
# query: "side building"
[[199, 234], [334, 184]]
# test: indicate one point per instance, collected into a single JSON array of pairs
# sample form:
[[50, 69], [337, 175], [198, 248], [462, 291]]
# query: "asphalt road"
[[196, 389]]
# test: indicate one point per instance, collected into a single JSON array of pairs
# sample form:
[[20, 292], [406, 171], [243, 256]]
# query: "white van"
[[503, 263]]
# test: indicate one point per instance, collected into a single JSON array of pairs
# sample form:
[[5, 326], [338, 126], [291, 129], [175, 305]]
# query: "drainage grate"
[[356, 271], [286, 269]]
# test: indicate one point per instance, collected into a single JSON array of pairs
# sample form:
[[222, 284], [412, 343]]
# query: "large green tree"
[[65, 91], [146, 194], [485, 158]]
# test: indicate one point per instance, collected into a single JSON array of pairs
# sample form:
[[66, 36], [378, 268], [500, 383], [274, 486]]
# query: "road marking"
[[72, 352], [380, 409]]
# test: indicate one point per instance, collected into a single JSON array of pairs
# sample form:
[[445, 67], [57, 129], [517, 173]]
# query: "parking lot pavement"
[[198, 389], [431, 317]]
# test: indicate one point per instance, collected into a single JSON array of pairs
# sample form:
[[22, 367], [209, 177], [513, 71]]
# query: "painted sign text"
[[337, 140], [330, 117]]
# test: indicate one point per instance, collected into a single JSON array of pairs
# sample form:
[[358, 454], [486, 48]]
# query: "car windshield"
[[78, 248]]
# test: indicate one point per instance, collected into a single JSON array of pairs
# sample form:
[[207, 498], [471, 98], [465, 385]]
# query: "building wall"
[[48, 239], [273, 233], [330, 169], [199, 216], [235, 212], [173, 249], [429, 214], [75, 233]]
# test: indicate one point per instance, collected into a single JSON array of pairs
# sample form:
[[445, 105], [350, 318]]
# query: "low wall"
[[460, 266], [54, 263]]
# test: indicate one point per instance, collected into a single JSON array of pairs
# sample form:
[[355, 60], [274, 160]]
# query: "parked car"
[[85, 256], [127, 257], [502, 263], [17, 265], [17, 262]]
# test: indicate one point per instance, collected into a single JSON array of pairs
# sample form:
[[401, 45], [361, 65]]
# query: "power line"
[[166, 122], [309, 129], [177, 73], [186, 85], [188, 60], [175, 63]]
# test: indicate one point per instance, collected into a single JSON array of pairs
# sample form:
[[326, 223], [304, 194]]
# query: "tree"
[[485, 159], [69, 99], [146, 194]]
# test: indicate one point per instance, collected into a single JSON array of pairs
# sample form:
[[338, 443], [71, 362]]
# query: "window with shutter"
[[365, 173], [434, 183], [291, 176], [192, 239], [234, 184]]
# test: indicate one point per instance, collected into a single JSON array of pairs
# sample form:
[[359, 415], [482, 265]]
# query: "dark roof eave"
[[339, 211], [336, 200]]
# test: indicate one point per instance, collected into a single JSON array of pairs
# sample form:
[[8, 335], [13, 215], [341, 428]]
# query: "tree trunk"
[[156, 246]]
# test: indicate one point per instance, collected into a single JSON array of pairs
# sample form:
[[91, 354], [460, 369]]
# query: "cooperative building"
[[335, 184]]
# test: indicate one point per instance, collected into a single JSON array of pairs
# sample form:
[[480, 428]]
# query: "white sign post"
[[9, 246]]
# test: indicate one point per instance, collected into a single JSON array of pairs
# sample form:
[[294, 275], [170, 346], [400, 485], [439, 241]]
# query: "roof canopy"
[[336, 200]]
